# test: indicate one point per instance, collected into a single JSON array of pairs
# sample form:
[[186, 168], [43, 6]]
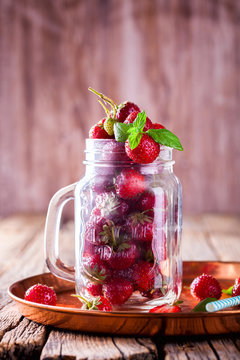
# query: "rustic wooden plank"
[[16, 233], [194, 232], [189, 350], [133, 349], [69, 345], [223, 235], [9, 318], [226, 349], [30, 261], [23, 342]]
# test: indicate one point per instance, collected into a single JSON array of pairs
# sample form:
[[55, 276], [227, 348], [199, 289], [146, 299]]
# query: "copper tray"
[[68, 315]]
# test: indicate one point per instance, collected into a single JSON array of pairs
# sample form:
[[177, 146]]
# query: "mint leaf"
[[134, 140], [228, 291], [140, 121], [201, 307], [165, 137], [121, 131]]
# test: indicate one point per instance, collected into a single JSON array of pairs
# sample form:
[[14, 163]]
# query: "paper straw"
[[223, 304]]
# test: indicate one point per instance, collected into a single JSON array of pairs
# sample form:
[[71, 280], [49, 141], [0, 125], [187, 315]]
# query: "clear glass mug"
[[128, 225]]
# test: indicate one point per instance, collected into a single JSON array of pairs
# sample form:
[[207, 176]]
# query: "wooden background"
[[179, 60]]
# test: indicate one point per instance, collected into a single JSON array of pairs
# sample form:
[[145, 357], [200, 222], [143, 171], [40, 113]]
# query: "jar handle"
[[51, 236]]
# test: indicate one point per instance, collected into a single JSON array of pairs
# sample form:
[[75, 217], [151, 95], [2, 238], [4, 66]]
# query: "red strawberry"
[[165, 309], [236, 288], [157, 126], [97, 131], [146, 151], [125, 109], [129, 183], [140, 226], [118, 291], [143, 276], [41, 294], [95, 303], [102, 183], [205, 286], [123, 274], [109, 206], [94, 229], [124, 257], [96, 267], [146, 201], [130, 119], [94, 289]]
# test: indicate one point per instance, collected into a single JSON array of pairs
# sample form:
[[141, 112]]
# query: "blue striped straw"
[[223, 304]]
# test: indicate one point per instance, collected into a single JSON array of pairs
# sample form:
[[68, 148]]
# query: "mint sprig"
[[134, 132], [201, 307], [165, 137]]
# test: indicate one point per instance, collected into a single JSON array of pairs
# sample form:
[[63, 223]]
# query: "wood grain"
[[179, 60]]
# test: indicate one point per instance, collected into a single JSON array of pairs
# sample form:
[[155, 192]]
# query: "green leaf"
[[140, 121], [121, 131], [134, 140], [201, 307], [165, 137], [228, 291]]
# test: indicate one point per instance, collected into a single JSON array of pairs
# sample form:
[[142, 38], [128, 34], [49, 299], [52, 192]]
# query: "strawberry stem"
[[105, 99], [105, 108], [83, 299]]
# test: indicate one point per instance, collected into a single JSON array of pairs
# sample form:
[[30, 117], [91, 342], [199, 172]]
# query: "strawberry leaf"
[[134, 140], [165, 137], [121, 131], [140, 121], [228, 291], [201, 307]]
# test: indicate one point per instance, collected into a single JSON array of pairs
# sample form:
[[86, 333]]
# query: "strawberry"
[[236, 288], [108, 126], [125, 109], [102, 183], [109, 206], [205, 286], [143, 276], [95, 303], [146, 201], [97, 131], [95, 267], [140, 226], [129, 183], [94, 229], [123, 274], [124, 257], [130, 119], [166, 309], [41, 294], [157, 126], [94, 289], [118, 290], [146, 151]]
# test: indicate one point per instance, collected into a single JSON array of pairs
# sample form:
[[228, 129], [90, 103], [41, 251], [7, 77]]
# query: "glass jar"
[[128, 224]]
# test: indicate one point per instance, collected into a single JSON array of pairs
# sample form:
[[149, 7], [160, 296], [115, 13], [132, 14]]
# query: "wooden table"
[[205, 237]]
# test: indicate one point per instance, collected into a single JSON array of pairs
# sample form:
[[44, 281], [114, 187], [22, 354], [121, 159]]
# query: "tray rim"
[[131, 314]]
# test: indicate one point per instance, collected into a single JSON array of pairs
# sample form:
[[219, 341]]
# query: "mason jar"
[[128, 226]]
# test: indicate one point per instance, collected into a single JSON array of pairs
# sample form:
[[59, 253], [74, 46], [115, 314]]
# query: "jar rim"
[[96, 146]]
